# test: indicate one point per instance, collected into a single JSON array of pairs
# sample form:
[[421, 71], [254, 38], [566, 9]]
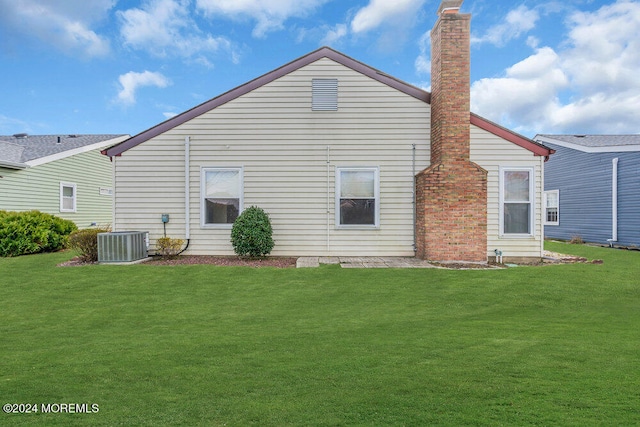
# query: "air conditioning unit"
[[122, 246]]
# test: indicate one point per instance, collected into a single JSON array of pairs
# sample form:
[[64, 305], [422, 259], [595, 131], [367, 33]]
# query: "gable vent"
[[324, 95]]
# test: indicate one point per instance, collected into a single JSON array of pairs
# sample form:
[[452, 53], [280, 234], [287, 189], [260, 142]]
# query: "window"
[[324, 95], [67, 197], [221, 191], [517, 196], [551, 207], [357, 197]]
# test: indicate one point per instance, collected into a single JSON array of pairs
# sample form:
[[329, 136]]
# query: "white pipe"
[[328, 199], [114, 193], [614, 201], [413, 166], [187, 213]]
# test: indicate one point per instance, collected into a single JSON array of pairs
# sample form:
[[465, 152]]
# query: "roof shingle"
[[21, 149]]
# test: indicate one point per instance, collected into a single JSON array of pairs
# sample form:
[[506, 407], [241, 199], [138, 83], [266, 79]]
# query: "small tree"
[[85, 242], [251, 234]]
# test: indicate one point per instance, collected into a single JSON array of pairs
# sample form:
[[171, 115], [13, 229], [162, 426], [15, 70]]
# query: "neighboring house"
[[592, 188], [64, 175], [333, 150]]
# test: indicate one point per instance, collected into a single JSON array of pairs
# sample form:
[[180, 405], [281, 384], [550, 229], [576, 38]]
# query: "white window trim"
[[532, 202], [75, 196], [557, 208], [376, 187], [203, 173]]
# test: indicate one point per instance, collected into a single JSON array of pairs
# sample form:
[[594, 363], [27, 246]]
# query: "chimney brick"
[[451, 194]]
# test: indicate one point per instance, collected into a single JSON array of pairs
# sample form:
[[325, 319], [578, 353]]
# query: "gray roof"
[[596, 140], [21, 148]]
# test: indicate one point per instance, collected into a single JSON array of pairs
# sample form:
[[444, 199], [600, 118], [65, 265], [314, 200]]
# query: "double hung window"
[[67, 197], [357, 197], [221, 190], [551, 207], [516, 201]]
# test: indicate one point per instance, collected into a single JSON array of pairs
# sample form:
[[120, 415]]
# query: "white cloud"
[[132, 81], [423, 61], [379, 12], [527, 93], [65, 24], [588, 86], [270, 15], [334, 35], [517, 22], [164, 28], [605, 47]]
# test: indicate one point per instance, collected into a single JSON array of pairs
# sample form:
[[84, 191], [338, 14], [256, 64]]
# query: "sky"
[[123, 66]]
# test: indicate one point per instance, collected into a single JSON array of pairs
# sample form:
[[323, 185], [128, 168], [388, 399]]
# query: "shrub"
[[31, 232], [166, 246], [251, 234], [85, 242], [576, 239]]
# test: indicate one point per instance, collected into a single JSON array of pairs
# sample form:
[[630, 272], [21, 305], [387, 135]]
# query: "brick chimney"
[[451, 194]]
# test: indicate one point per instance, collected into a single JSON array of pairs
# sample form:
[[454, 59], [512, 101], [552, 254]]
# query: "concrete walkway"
[[364, 262]]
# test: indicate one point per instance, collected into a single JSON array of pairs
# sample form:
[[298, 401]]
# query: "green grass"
[[204, 345]]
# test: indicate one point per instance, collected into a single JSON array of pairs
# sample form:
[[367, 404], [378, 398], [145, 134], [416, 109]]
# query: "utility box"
[[122, 246]]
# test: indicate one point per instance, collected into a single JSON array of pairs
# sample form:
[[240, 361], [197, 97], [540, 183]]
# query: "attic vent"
[[20, 135], [324, 95], [73, 136]]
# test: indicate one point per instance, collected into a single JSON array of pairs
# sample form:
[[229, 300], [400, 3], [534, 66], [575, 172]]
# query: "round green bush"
[[251, 234], [31, 232]]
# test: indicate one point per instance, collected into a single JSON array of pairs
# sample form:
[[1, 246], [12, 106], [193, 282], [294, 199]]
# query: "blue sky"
[[108, 66]]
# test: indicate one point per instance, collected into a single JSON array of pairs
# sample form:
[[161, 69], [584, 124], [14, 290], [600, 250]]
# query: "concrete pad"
[[307, 262], [138, 261]]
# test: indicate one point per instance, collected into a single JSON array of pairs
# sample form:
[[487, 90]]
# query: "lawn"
[[206, 345]]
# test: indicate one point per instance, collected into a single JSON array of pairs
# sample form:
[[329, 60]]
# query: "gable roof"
[[21, 151], [324, 52], [594, 143]]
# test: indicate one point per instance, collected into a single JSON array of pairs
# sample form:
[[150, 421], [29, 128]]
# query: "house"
[[345, 159], [592, 188], [63, 175]]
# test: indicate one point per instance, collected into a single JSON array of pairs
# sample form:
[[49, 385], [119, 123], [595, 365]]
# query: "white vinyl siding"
[[357, 197], [289, 154], [552, 207], [67, 197], [492, 152], [38, 188]]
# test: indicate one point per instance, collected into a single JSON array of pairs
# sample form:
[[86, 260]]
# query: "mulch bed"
[[277, 262], [227, 261]]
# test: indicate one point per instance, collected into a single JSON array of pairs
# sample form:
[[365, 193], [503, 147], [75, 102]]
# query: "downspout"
[[187, 165], [187, 213], [115, 192], [328, 200], [542, 211], [413, 191], [614, 202]]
